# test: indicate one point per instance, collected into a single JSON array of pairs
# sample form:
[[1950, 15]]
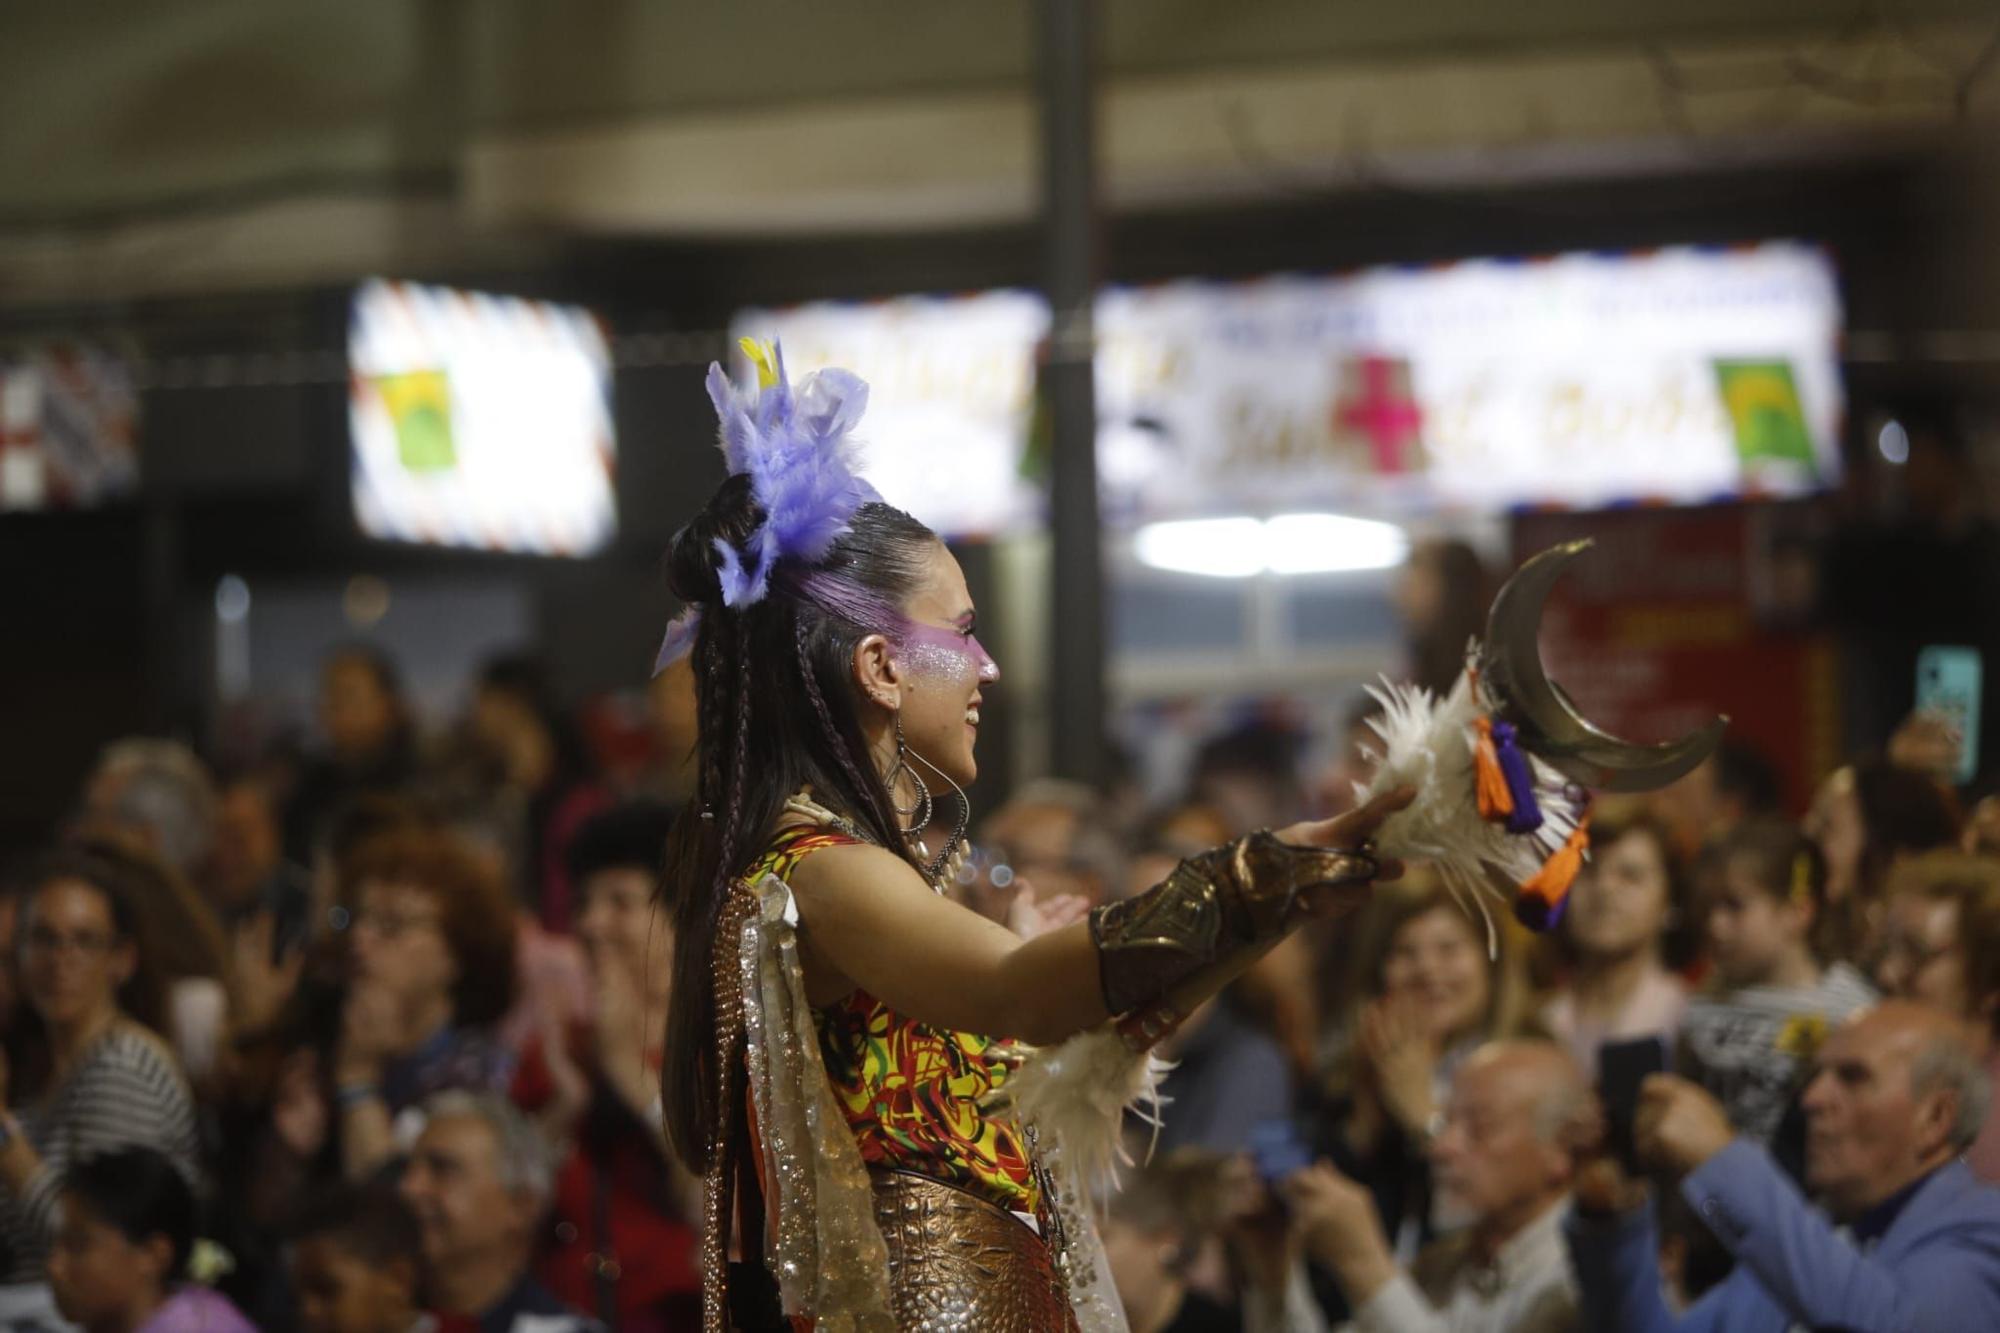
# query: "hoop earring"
[[917, 815], [936, 867]]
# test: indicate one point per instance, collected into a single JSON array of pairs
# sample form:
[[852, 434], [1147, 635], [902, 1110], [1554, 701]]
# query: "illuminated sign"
[[1672, 376], [480, 421]]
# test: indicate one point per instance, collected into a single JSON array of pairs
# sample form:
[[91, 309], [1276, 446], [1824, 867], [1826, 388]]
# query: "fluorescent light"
[[1331, 543], [1236, 548], [1226, 548]]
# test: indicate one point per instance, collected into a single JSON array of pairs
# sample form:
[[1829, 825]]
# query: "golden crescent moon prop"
[[1549, 727]]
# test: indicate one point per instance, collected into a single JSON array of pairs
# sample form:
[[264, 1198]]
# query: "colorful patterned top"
[[911, 1092]]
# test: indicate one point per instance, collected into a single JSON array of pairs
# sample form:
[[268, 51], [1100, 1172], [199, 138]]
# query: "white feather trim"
[[1075, 1095], [1428, 743]]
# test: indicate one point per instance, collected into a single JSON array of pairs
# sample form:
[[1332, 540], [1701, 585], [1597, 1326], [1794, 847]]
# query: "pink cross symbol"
[[1388, 419]]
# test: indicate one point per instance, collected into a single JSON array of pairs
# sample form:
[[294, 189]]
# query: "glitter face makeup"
[[946, 656]]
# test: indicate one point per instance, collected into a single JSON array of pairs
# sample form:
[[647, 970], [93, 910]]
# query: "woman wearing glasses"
[[86, 1070], [432, 950]]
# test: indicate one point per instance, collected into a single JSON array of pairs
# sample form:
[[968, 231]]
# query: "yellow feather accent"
[[762, 357]]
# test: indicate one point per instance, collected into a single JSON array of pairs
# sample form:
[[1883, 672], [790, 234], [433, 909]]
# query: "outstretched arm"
[[868, 919]]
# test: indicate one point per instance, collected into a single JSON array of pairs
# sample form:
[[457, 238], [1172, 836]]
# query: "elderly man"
[[1502, 1165], [158, 792], [1897, 1096], [478, 1182]]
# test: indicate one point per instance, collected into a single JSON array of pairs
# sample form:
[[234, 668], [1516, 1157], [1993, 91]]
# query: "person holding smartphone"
[[1896, 1098], [1503, 1160]]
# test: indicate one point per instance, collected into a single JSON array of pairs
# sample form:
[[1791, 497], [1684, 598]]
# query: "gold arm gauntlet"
[[1164, 951]]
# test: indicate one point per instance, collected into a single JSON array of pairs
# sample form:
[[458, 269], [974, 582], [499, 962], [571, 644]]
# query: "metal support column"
[[1067, 40], [170, 691]]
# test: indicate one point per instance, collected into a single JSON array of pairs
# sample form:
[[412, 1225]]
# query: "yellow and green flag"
[[419, 403], [1763, 405]]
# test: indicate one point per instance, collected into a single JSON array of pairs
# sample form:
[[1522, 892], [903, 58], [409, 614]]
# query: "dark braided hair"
[[828, 727], [752, 667]]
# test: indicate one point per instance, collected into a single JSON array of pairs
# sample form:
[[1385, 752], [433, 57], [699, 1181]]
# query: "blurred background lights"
[[1286, 544], [232, 599], [365, 601], [1894, 443]]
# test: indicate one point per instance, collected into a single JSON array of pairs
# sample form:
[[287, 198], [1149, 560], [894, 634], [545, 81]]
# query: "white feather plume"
[[1428, 743], [1076, 1093]]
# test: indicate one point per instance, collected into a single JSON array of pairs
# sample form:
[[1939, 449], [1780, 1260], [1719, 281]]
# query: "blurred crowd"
[[366, 1038]]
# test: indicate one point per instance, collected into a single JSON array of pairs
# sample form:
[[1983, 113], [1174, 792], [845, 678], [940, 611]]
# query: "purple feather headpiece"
[[794, 446]]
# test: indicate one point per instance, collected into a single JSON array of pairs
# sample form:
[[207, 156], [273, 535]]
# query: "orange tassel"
[[1495, 801], [1540, 901]]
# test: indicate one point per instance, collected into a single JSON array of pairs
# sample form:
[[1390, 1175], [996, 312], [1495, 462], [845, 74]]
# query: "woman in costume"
[[844, 1037]]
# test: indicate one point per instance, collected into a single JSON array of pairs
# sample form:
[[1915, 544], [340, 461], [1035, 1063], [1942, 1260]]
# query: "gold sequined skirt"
[[958, 1264]]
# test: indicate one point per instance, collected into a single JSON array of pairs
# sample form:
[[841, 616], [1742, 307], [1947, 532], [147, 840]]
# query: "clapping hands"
[[263, 987], [1402, 1052], [1029, 916]]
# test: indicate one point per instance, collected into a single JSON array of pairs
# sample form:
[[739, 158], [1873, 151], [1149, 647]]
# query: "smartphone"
[[1277, 1150], [1622, 1066], [1948, 684]]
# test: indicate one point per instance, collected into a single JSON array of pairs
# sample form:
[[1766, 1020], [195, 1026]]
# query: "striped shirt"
[[1754, 1048], [125, 1092]]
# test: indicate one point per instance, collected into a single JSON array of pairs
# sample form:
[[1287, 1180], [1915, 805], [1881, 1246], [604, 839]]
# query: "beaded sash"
[[820, 1240]]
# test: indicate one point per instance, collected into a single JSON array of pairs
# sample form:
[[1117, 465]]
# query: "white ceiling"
[[155, 146]]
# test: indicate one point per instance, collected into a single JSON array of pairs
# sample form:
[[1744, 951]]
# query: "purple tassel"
[[1527, 815], [1534, 913]]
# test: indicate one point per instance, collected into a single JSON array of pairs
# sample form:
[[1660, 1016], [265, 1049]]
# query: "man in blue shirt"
[[1913, 1242]]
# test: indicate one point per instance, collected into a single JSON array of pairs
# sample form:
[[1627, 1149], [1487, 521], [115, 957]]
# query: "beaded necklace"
[[940, 870]]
